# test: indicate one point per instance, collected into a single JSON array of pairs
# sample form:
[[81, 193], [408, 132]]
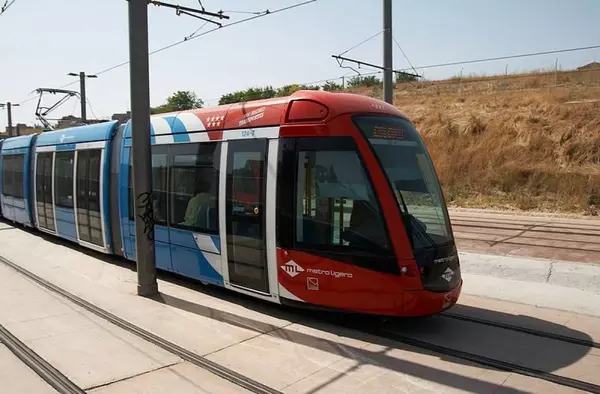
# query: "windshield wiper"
[[423, 232], [413, 223]]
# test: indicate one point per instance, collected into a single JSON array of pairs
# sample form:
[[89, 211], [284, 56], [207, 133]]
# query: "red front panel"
[[423, 302], [320, 281]]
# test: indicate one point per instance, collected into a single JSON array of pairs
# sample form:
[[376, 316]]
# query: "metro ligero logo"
[[292, 268]]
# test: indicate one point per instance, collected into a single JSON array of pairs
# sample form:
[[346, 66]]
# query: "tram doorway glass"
[[89, 220], [43, 183], [245, 214]]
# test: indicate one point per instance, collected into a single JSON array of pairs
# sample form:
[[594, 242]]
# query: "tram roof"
[[73, 135], [263, 113], [23, 141]]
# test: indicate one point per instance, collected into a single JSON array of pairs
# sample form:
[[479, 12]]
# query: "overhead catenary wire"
[[6, 6], [432, 66], [278, 10], [339, 77], [87, 100], [403, 53], [463, 62], [197, 30], [489, 59], [362, 42], [246, 12], [438, 82], [379, 72], [75, 102]]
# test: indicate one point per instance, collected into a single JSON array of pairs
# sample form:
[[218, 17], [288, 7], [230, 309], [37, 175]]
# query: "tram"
[[318, 199]]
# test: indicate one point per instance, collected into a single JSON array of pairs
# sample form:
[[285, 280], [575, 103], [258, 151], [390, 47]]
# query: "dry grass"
[[513, 146]]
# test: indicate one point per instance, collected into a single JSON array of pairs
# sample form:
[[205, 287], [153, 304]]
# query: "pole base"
[[147, 290]]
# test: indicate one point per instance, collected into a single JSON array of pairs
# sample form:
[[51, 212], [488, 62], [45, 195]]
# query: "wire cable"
[[246, 12], [6, 6], [362, 42], [87, 100], [75, 102], [198, 29], [489, 59], [192, 38], [406, 57]]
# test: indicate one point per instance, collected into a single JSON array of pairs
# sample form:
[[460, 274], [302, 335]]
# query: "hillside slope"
[[530, 143]]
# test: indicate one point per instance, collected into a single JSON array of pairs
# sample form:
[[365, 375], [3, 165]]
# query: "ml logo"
[[292, 268]]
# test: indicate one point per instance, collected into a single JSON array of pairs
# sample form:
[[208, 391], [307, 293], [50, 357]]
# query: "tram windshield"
[[411, 173]]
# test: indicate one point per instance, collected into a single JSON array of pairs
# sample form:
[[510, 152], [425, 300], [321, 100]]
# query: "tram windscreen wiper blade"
[[413, 223], [423, 232]]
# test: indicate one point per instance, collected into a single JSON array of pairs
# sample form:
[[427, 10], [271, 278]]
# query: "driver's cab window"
[[335, 203]]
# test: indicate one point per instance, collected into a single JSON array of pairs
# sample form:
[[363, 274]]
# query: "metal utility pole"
[[140, 145], [9, 106], [9, 110], [139, 79], [388, 87], [82, 77]]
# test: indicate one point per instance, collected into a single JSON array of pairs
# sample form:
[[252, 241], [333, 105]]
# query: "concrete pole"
[[83, 99], [388, 88], [140, 144], [9, 109]]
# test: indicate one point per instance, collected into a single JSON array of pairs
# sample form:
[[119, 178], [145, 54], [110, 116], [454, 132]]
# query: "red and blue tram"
[[323, 199]]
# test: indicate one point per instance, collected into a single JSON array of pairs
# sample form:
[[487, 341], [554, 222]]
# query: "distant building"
[[23, 129], [590, 66], [67, 121], [72, 121], [122, 118]]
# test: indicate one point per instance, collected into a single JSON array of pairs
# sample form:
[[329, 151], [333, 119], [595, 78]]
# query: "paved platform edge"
[[581, 276]]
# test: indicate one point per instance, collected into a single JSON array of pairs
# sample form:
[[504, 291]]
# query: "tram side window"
[[159, 185], [7, 176], [12, 176], [19, 165], [63, 179], [335, 204], [194, 187]]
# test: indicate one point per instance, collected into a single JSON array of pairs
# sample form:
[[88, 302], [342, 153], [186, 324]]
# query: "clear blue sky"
[[44, 40]]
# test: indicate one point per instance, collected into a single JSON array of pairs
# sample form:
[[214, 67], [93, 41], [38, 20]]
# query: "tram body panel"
[[15, 190], [320, 281], [72, 184]]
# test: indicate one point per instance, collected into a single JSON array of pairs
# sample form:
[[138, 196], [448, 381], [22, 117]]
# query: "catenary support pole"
[[9, 110], [9, 129], [388, 88], [82, 92], [140, 144]]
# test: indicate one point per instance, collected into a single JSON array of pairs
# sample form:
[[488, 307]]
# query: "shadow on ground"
[[534, 352]]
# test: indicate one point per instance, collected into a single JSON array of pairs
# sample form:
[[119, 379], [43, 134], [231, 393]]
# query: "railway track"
[[376, 330], [488, 362], [382, 332], [193, 358], [528, 236], [530, 331], [37, 364]]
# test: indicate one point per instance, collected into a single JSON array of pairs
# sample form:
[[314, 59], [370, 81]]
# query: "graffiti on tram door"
[[147, 216]]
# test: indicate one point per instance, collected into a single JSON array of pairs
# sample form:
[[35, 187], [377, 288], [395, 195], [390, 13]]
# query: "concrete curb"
[[581, 276]]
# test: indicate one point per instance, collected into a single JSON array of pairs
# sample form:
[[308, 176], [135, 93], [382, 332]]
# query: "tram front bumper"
[[425, 302]]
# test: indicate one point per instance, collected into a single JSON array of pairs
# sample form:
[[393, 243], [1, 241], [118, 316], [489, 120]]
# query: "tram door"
[[245, 214], [89, 219], [43, 191]]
